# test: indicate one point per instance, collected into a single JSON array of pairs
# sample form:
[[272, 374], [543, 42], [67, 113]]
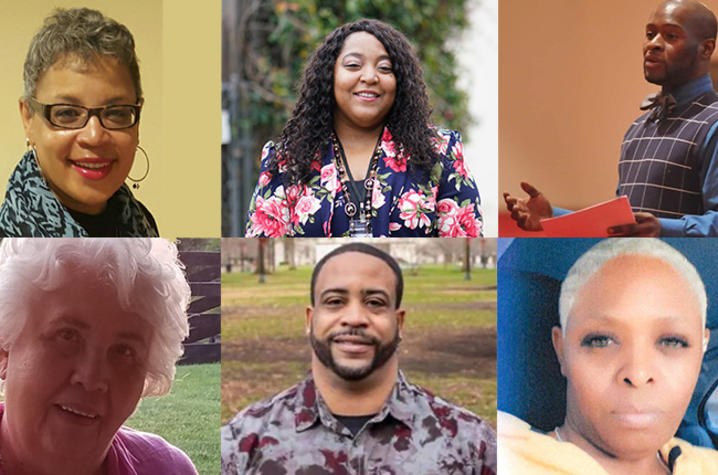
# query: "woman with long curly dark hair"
[[359, 156]]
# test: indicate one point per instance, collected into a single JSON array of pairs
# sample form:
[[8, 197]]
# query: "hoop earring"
[[136, 182]]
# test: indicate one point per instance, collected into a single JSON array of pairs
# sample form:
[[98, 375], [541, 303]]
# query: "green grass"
[[188, 417]]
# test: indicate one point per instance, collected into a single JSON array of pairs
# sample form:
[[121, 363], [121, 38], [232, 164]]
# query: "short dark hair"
[[364, 249]]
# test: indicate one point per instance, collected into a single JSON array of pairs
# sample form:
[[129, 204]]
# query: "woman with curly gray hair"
[[87, 328], [80, 112]]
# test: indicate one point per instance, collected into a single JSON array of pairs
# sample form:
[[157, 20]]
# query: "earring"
[[27, 144], [136, 182]]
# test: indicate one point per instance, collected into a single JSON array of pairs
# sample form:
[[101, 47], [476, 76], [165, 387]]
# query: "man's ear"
[[557, 340], [706, 48], [309, 314], [400, 314]]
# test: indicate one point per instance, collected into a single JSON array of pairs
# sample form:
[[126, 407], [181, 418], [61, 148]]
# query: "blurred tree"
[[272, 40]]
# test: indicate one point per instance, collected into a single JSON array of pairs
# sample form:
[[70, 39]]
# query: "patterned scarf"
[[31, 209]]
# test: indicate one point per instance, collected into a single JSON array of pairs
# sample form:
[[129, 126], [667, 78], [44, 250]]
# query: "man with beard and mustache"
[[669, 157], [356, 413]]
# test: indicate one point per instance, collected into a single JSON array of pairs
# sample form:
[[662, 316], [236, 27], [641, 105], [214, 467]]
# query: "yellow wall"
[[570, 84], [178, 45]]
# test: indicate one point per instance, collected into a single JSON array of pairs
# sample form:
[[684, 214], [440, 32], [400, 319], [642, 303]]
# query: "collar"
[[689, 91], [309, 406]]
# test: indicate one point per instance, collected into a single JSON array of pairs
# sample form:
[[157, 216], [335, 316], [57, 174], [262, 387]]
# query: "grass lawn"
[[188, 417], [449, 335]]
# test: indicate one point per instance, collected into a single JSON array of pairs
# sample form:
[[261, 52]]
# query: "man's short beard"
[[382, 353]]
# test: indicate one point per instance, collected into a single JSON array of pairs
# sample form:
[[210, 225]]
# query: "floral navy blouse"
[[445, 205]]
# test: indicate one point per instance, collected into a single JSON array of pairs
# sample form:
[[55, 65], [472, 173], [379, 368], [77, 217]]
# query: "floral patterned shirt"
[[446, 205], [414, 433]]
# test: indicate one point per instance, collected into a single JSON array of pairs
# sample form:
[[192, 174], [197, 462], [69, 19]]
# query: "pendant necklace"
[[359, 216]]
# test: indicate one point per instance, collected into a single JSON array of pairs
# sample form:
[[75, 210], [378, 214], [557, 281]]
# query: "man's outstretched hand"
[[528, 212]]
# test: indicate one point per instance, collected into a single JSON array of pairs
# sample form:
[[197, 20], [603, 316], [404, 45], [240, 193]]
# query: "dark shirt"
[[414, 433]]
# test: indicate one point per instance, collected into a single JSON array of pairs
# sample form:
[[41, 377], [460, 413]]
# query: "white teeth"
[[367, 94], [92, 166], [79, 413]]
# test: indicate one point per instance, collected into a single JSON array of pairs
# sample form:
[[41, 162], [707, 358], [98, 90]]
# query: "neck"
[[353, 137], [14, 461], [646, 464], [355, 398]]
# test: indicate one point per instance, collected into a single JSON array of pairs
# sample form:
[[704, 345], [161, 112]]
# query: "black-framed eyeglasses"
[[70, 116]]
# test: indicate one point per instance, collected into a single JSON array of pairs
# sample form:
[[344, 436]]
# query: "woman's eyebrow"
[[68, 320], [70, 99]]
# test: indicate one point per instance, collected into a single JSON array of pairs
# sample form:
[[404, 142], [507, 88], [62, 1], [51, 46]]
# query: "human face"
[[671, 50], [364, 83], [631, 355], [354, 327], [83, 167], [73, 376]]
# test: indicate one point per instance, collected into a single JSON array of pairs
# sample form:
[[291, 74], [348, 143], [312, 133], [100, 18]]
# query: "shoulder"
[[249, 426], [690, 459], [150, 453], [148, 216], [524, 450], [455, 421], [446, 140]]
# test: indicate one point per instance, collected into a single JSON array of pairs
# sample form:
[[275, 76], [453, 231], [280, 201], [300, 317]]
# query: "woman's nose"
[[93, 133], [90, 371], [637, 367], [369, 75]]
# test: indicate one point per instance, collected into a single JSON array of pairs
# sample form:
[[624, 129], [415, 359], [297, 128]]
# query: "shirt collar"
[[309, 406], [693, 89]]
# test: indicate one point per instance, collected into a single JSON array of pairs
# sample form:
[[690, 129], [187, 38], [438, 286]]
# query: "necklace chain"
[[365, 206]]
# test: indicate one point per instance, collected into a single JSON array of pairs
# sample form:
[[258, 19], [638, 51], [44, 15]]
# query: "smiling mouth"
[[91, 165], [77, 412], [368, 95]]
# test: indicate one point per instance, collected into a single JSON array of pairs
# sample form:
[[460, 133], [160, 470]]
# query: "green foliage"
[[281, 36]]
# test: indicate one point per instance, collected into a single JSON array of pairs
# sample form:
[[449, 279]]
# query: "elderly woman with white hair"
[[87, 328], [630, 343]]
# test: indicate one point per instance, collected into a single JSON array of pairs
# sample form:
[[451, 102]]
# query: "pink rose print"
[[265, 178], [329, 179], [377, 197], [271, 217], [458, 150], [265, 150], [460, 168], [392, 157], [467, 221], [306, 206], [414, 206], [443, 143], [292, 193], [447, 206]]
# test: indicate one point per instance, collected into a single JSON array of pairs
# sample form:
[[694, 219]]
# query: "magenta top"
[[133, 452]]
